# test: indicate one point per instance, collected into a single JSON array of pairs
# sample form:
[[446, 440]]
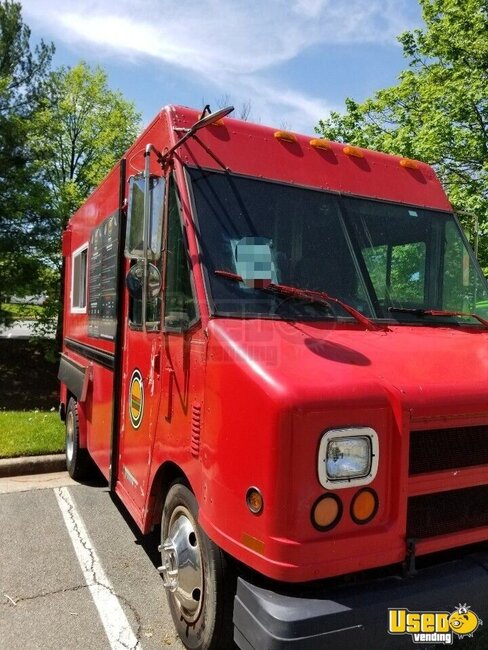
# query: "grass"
[[14, 311], [29, 397], [30, 433]]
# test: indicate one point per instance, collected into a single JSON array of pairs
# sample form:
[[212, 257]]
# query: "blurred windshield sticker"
[[254, 261]]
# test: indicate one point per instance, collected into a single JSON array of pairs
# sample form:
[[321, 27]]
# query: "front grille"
[[443, 513], [432, 451]]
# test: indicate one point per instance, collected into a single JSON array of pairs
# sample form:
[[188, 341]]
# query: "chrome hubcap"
[[182, 564], [70, 435]]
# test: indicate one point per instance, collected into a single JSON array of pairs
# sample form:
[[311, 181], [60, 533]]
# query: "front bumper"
[[356, 616]]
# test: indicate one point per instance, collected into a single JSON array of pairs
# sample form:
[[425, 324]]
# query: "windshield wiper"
[[313, 296], [437, 313]]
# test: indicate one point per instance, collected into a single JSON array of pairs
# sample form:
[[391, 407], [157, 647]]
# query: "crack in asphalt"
[[12, 602], [103, 585], [95, 581]]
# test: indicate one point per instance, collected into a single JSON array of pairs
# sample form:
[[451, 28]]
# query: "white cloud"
[[282, 106], [233, 45]]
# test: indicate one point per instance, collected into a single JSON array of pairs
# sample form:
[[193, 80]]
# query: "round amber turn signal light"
[[326, 512], [254, 500], [364, 506]]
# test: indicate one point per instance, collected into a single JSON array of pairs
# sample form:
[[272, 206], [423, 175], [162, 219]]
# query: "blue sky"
[[293, 60]]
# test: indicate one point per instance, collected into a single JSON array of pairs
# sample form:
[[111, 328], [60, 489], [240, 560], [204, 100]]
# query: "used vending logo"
[[434, 627]]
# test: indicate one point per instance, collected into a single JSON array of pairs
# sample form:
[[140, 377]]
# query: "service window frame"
[[78, 254]]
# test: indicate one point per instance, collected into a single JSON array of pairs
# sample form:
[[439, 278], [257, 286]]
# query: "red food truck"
[[275, 348]]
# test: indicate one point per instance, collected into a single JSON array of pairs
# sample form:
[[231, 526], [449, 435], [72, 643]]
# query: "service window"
[[78, 280]]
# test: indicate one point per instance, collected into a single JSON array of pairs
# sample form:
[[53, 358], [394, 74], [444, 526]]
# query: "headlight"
[[348, 457]]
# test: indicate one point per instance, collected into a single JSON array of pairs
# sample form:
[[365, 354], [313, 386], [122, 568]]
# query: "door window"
[[135, 246], [180, 308]]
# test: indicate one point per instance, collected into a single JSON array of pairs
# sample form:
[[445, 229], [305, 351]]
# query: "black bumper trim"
[[356, 616]]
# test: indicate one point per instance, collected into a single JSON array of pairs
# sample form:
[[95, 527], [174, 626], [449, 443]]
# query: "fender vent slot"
[[196, 425]]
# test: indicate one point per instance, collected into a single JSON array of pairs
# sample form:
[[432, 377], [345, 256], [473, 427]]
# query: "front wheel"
[[77, 459], [199, 581]]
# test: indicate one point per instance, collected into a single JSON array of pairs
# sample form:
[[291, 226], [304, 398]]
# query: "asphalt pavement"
[[23, 329], [74, 571]]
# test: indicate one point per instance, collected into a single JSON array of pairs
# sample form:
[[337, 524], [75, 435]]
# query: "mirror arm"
[[150, 147], [167, 155], [211, 154], [204, 120], [206, 111], [145, 232]]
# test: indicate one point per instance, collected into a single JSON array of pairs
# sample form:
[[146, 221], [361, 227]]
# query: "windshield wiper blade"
[[309, 294], [438, 313]]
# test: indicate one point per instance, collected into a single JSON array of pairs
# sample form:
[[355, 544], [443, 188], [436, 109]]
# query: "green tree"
[[82, 129], [23, 213], [438, 111]]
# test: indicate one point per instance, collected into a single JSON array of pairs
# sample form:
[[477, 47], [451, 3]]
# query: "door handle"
[[157, 363]]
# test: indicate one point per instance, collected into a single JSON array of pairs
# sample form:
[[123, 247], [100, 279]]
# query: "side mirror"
[[135, 281], [142, 190]]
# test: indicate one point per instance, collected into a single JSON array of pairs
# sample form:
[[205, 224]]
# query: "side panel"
[[89, 331]]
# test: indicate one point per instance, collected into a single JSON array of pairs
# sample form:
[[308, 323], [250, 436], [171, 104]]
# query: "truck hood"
[[431, 371]]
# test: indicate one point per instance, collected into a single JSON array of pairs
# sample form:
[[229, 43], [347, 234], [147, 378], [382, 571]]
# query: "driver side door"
[[141, 368]]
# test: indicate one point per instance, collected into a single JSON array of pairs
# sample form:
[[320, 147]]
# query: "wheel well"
[[81, 417], [167, 474], [63, 403]]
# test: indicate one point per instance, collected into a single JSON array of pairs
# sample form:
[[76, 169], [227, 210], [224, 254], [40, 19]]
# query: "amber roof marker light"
[[286, 136], [408, 163], [355, 152], [320, 143]]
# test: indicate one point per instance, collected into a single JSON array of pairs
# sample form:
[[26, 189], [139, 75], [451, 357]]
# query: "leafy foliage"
[[81, 129], [438, 111], [60, 133], [23, 213]]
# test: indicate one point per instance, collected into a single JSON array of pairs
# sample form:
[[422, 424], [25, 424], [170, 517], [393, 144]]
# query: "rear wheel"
[[77, 459], [199, 580]]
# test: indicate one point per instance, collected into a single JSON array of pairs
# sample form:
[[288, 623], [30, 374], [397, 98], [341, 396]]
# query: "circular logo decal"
[[136, 399]]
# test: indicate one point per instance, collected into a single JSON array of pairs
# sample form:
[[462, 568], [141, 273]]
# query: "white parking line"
[[114, 620]]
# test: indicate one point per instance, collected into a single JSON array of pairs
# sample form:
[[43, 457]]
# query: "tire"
[[200, 585], [77, 459]]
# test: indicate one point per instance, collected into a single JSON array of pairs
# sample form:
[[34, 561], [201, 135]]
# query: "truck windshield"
[[388, 261]]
